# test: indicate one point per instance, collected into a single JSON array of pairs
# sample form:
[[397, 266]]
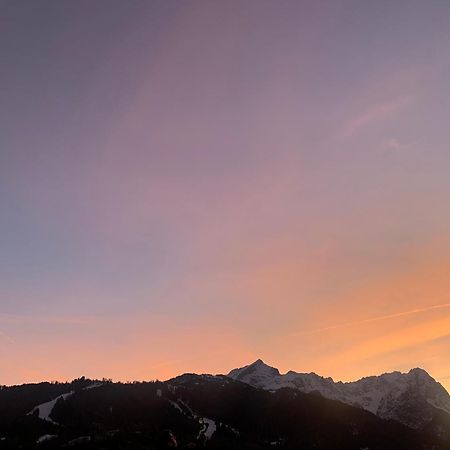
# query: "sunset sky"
[[192, 185]]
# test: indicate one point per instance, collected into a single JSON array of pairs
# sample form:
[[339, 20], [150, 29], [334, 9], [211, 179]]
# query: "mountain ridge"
[[410, 398], [203, 411], [260, 361]]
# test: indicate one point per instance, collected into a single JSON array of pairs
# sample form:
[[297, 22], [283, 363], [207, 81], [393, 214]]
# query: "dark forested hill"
[[191, 411]]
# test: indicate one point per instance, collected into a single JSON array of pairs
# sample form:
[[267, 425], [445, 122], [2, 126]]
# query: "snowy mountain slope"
[[411, 398], [44, 410]]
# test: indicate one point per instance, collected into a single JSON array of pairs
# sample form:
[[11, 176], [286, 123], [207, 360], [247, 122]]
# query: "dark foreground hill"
[[192, 411]]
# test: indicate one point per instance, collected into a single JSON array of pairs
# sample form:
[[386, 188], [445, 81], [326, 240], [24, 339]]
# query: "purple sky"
[[192, 185]]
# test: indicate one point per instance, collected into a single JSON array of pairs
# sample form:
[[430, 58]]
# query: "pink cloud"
[[375, 113], [394, 145]]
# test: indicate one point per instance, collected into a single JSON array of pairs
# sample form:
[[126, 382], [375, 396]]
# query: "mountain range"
[[253, 407], [414, 398]]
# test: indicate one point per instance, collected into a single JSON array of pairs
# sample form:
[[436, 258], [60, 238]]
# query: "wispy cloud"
[[68, 320], [6, 337], [374, 113], [378, 318], [394, 145], [413, 337]]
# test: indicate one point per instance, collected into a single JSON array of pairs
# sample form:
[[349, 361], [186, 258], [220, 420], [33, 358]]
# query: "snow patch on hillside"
[[208, 428], [45, 410]]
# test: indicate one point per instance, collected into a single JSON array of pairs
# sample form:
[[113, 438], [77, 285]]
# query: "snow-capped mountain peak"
[[411, 398], [257, 374]]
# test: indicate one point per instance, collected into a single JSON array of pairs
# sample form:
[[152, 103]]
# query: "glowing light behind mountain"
[[187, 186]]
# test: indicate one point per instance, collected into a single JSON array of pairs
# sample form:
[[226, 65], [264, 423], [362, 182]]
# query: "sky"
[[190, 186]]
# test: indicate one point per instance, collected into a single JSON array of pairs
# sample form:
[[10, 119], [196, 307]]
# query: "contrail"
[[6, 337], [376, 319]]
